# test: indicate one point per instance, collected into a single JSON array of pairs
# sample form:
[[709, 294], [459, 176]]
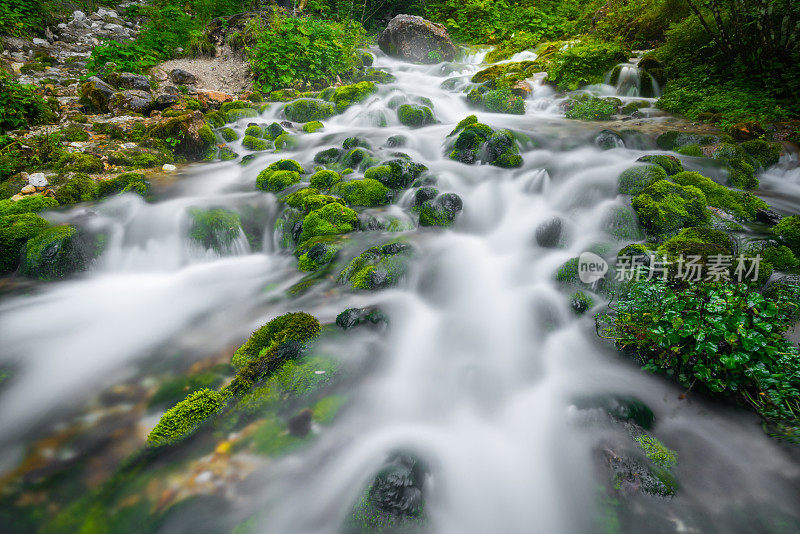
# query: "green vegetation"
[[291, 327], [378, 267], [366, 192], [185, 418], [53, 253], [664, 207], [585, 63], [20, 105], [722, 337], [215, 228], [415, 116], [591, 108], [15, 231], [788, 231]]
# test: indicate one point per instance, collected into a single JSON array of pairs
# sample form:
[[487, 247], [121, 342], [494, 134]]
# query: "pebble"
[[168, 167], [38, 179]]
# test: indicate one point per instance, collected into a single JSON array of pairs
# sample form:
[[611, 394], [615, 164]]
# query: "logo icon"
[[591, 267]]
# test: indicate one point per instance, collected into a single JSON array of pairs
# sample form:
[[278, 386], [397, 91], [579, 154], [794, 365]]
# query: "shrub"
[[20, 105], [788, 230], [591, 109], [504, 101]]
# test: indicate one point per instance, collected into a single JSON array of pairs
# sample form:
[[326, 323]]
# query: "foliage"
[[303, 52], [123, 183], [721, 336], [23, 17], [585, 63], [21, 106], [664, 207], [591, 108], [788, 230]]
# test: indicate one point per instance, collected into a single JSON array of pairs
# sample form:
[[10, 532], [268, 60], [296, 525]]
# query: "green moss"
[[226, 154], [401, 173], [207, 135], [288, 328], [317, 252], [693, 151], [656, 452], [670, 164], [580, 302], [276, 181], [174, 390], [235, 104], [415, 116], [788, 231], [741, 165], [29, 204], [664, 207], [79, 188], [124, 183], [765, 153], [185, 418], [74, 133], [229, 134], [235, 115], [313, 126], [215, 118], [567, 274], [590, 108], [298, 198], [309, 109], [15, 231], [285, 141], [273, 131], [287, 165], [636, 179], [53, 253], [781, 257], [353, 157], [585, 63], [325, 179], [378, 267], [272, 438], [503, 101], [328, 156], [215, 228], [367, 192], [254, 143], [325, 409], [441, 211], [347, 95], [744, 206], [330, 219], [138, 158], [79, 162]]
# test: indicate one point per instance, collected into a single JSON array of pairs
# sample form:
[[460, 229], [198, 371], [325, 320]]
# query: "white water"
[[483, 360]]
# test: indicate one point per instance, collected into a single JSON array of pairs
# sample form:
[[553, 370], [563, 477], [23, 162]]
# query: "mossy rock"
[[328, 156], [309, 109], [580, 303], [287, 165], [285, 141], [440, 211], [325, 179], [345, 96], [235, 115], [636, 179], [15, 231], [29, 204], [215, 228], [79, 162], [397, 173], [331, 219], [129, 182], [275, 181], [670, 164], [503, 101], [415, 116], [765, 153], [226, 154], [54, 253], [378, 267], [665, 207], [673, 140], [367, 192], [79, 188], [318, 252], [185, 418], [255, 144], [293, 329], [139, 158], [313, 126], [273, 131], [744, 206], [788, 231]]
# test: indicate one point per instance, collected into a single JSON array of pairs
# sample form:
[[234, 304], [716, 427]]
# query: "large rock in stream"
[[417, 40]]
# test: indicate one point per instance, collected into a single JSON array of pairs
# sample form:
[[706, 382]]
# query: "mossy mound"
[[664, 207], [253, 130], [501, 100], [275, 181], [479, 142], [313, 126], [415, 116], [255, 144], [287, 165], [309, 109], [441, 211], [317, 252], [29, 204], [15, 231], [293, 329], [139, 158], [788, 231], [325, 179], [235, 115], [636, 179], [215, 228], [367, 192], [185, 418], [330, 219], [347, 95], [744, 206], [670, 164], [129, 182], [507, 73], [674, 140], [54, 253], [396, 173], [378, 267], [741, 165]]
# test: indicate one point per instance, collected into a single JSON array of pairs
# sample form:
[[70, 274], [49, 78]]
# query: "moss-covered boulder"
[[665, 207], [309, 109], [415, 116], [741, 165], [397, 173], [294, 329], [441, 211], [636, 179], [417, 40], [193, 135], [325, 179], [275, 181], [367, 192], [129, 182], [503, 100], [670, 164], [673, 140], [328, 156], [254, 130], [476, 142], [255, 144], [742, 205], [378, 267], [215, 228], [15, 231], [54, 253], [313, 126], [331, 219], [139, 158], [29, 204], [317, 252], [185, 418], [788, 231], [345, 96], [96, 94], [765, 153]]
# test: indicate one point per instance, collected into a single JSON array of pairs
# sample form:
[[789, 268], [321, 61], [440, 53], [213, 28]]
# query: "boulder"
[[130, 101], [417, 40], [128, 80], [96, 94], [191, 129], [165, 100], [182, 77], [213, 99]]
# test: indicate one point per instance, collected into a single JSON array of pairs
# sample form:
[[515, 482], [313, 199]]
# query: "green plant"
[[591, 109], [788, 230], [585, 63], [21, 106], [722, 337]]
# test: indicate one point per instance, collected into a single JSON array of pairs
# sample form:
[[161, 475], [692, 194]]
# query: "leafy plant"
[[21, 106]]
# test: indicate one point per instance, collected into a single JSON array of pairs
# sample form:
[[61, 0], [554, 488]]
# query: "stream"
[[479, 371]]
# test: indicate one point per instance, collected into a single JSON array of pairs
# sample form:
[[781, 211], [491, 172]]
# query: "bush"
[[303, 52], [591, 109], [23, 18], [21, 106], [788, 230], [723, 337]]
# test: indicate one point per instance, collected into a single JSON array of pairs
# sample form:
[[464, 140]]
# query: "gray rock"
[[38, 179], [129, 80], [78, 15], [40, 42], [182, 77], [166, 100], [131, 101], [417, 40]]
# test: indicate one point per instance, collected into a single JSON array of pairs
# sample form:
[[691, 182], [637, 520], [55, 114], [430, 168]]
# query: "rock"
[[550, 233], [746, 131], [417, 40], [27, 190], [38, 179], [441, 211], [182, 77], [96, 93], [54, 253], [213, 99], [768, 216], [78, 16], [191, 129], [522, 88], [129, 80], [352, 317], [300, 424], [309, 109], [168, 167], [130, 101], [165, 100]]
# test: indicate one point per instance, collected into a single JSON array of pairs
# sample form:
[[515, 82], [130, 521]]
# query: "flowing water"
[[478, 373]]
